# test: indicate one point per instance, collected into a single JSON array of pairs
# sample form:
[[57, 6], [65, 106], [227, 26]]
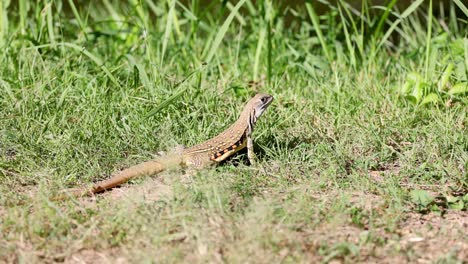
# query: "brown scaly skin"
[[212, 151]]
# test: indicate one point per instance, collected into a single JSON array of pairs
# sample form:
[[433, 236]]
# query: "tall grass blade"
[[165, 103], [428, 40], [167, 31], [50, 23], [405, 14], [461, 6], [111, 10], [147, 38], [23, 15], [269, 15], [465, 40], [453, 18], [141, 14], [239, 18], [155, 9], [269, 50], [190, 14], [91, 56], [350, 47], [3, 21], [177, 94], [141, 72], [222, 31], [315, 21], [383, 18], [261, 39], [176, 24], [358, 36], [77, 17]]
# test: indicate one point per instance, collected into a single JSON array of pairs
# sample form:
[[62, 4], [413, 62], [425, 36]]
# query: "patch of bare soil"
[[149, 190], [431, 236], [93, 256], [385, 169], [417, 238], [412, 238]]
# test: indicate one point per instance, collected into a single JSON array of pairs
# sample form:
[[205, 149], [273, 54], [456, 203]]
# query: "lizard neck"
[[229, 137]]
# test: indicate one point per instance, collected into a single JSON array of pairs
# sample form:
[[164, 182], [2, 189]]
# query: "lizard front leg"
[[250, 149]]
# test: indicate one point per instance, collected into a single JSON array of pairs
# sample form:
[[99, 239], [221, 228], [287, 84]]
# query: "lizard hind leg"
[[173, 158], [194, 163]]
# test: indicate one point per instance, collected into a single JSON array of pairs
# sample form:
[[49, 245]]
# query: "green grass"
[[362, 155]]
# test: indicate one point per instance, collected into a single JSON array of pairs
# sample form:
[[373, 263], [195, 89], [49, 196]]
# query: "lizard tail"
[[146, 168]]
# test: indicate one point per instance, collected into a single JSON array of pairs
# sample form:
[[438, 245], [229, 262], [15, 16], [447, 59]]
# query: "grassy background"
[[363, 154]]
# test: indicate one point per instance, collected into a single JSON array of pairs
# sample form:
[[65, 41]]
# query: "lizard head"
[[259, 103], [254, 109]]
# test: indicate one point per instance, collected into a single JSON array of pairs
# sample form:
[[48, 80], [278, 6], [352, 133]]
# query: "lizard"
[[236, 137]]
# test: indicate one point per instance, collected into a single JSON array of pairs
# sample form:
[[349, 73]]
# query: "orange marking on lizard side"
[[234, 146]]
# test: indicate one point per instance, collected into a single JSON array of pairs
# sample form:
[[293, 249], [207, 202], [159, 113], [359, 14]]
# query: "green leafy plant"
[[425, 202], [450, 84], [339, 250], [422, 200]]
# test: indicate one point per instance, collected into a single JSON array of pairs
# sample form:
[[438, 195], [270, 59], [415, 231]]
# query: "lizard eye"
[[264, 100]]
